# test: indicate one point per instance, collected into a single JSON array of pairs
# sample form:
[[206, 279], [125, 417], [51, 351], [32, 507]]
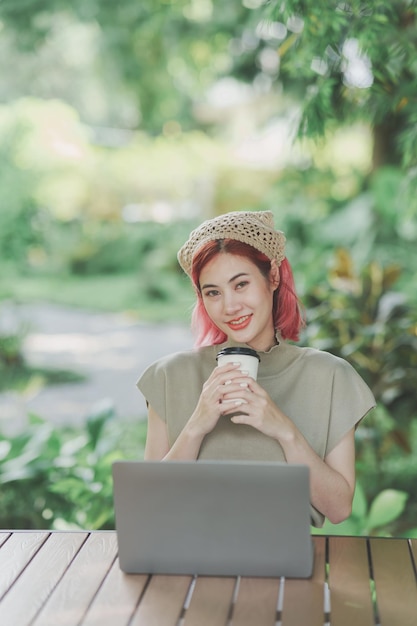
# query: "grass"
[[21, 376], [170, 299]]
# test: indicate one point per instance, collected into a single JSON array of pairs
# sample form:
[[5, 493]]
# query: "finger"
[[234, 405], [227, 367], [241, 418], [235, 385], [255, 388], [225, 376]]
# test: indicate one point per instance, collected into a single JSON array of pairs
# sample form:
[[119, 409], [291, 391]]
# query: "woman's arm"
[[202, 421], [157, 445], [332, 480], [185, 448]]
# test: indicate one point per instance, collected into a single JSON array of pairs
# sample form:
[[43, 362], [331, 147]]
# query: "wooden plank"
[[78, 586], [256, 602], [304, 598], [211, 602], [116, 599], [349, 582], [39, 578], [395, 582], [163, 601], [15, 554]]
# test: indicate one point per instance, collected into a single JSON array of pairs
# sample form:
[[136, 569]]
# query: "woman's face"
[[238, 299]]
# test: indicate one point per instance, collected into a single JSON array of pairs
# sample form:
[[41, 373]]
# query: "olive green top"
[[322, 394]]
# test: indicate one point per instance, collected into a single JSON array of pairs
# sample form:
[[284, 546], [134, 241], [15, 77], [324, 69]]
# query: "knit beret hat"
[[255, 228]]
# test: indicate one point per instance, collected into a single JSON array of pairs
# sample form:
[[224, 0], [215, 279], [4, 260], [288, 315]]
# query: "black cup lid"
[[238, 350]]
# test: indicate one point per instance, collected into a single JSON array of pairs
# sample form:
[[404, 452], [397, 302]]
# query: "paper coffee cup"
[[248, 359]]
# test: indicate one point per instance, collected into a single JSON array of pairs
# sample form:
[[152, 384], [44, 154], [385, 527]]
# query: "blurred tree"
[[354, 60], [343, 60], [166, 52]]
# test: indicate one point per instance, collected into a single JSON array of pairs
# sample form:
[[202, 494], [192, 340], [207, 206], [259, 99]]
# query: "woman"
[[305, 404]]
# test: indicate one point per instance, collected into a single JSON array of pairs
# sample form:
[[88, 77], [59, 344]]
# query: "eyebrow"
[[207, 285]]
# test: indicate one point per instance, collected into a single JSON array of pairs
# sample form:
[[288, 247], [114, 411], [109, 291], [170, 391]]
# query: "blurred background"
[[123, 126]]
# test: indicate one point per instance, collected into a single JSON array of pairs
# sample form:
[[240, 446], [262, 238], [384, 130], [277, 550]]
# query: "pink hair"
[[287, 317]]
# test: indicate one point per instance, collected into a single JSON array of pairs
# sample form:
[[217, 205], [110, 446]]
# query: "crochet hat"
[[255, 228]]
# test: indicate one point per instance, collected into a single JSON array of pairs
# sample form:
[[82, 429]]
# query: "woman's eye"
[[211, 293], [242, 284]]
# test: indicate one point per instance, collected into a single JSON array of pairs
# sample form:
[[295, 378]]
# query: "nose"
[[231, 302]]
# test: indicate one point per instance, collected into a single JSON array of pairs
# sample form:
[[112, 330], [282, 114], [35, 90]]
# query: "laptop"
[[220, 518]]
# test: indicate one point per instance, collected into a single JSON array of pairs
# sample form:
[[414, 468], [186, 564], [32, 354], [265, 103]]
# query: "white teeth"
[[239, 321]]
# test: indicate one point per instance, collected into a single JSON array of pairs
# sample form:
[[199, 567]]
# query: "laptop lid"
[[222, 518]]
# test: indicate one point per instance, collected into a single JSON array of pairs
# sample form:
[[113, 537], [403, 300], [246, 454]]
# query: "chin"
[[241, 338]]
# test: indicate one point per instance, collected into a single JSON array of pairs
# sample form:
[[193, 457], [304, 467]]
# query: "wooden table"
[[71, 578]]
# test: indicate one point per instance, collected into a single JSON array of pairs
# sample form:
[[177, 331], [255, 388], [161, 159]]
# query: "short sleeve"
[[152, 384], [351, 400]]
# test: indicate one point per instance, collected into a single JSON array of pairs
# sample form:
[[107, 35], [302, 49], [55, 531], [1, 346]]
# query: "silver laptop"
[[222, 518]]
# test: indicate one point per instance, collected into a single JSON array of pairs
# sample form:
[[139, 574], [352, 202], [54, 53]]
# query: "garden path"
[[111, 350]]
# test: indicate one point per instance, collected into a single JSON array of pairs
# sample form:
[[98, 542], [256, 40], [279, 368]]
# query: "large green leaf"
[[387, 507], [359, 505]]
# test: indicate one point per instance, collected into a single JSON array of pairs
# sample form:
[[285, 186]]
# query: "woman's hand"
[[256, 409], [204, 418], [213, 398]]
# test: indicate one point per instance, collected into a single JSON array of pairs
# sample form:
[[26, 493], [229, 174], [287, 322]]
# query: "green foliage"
[[377, 41], [377, 519], [17, 374], [322, 211], [18, 210], [11, 349], [341, 61], [67, 204], [79, 202], [162, 55], [116, 248], [22, 377], [360, 317], [60, 477]]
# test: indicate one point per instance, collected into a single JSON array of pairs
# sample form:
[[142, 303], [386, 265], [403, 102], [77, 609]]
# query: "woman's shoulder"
[[332, 362], [320, 366], [317, 355], [314, 357]]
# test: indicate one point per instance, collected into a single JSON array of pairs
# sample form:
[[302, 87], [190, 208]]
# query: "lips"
[[240, 323]]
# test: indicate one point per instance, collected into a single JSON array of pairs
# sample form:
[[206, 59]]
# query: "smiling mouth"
[[239, 323]]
